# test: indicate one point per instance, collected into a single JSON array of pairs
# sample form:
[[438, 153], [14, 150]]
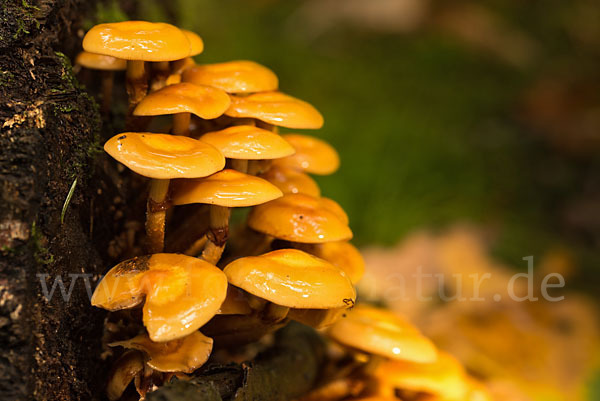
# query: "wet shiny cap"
[[381, 332], [292, 278], [196, 43], [228, 188], [95, 61], [203, 101], [233, 77], [164, 156], [301, 218], [182, 355], [138, 40], [312, 155], [249, 143], [276, 108], [345, 256], [181, 292], [444, 377], [291, 181]]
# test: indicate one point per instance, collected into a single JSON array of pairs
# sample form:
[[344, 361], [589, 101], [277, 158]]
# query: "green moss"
[[6, 77], [40, 251]]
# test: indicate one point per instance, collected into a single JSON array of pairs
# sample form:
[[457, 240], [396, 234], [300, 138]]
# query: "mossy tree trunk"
[[49, 130]]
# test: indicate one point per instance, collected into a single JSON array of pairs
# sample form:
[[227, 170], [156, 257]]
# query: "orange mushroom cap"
[[178, 66], [182, 355], [249, 143], [138, 40], [444, 377], [95, 61], [233, 77], [228, 188], [173, 79], [181, 292], [312, 155], [381, 332], [276, 108], [291, 181], [345, 256], [235, 303], [164, 156], [301, 218], [203, 101], [292, 278], [196, 42]]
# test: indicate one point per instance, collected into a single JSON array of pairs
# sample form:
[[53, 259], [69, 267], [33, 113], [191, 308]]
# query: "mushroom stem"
[[217, 234], [372, 363], [160, 72], [155, 215], [181, 123], [256, 167], [240, 165], [137, 82], [274, 313], [196, 247], [107, 88]]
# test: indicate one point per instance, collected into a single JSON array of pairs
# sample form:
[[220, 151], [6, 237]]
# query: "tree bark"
[[49, 135]]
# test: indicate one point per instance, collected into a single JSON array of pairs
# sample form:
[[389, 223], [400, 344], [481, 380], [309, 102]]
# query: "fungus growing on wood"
[[313, 155], [233, 77]]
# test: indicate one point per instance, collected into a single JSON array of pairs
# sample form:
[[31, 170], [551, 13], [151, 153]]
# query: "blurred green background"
[[481, 111]]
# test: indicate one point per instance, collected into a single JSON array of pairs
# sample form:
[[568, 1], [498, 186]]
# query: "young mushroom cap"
[[182, 355], [276, 108], [345, 256], [380, 332], [196, 42], [95, 61], [181, 292], [301, 218], [228, 188], [203, 101], [233, 77], [164, 156], [292, 278], [138, 40], [249, 143], [291, 181], [312, 155], [445, 377]]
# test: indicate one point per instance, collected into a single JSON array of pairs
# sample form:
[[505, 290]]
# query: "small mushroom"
[[444, 378], [124, 371], [233, 77], [181, 292], [382, 333], [108, 65], [276, 108], [182, 355], [223, 190], [241, 143], [182, 100], [301, 218], [291, 181], [290, 278], [313, 155], [344, 255], [137, 42], [235, 303], [163, 157]]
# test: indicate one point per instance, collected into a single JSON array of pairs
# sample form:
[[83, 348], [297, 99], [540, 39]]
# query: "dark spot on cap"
[[136, 265], [122, 137]]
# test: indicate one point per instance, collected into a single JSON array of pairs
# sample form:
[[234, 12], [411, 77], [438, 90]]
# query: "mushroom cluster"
[[196, 286]]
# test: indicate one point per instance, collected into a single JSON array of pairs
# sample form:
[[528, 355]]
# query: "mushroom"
[[276, 108], [129, 366], [163, 157], [344, 255], [382, 334], [163, 70], [312, 155], [241, 143], [235, 303], [182, 355], [108, 65], [291, 181], [180, 293], [301, 218], [181, 100], [240, 76], [289, 278], [443, 378], [137, 42], [222, 191]]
